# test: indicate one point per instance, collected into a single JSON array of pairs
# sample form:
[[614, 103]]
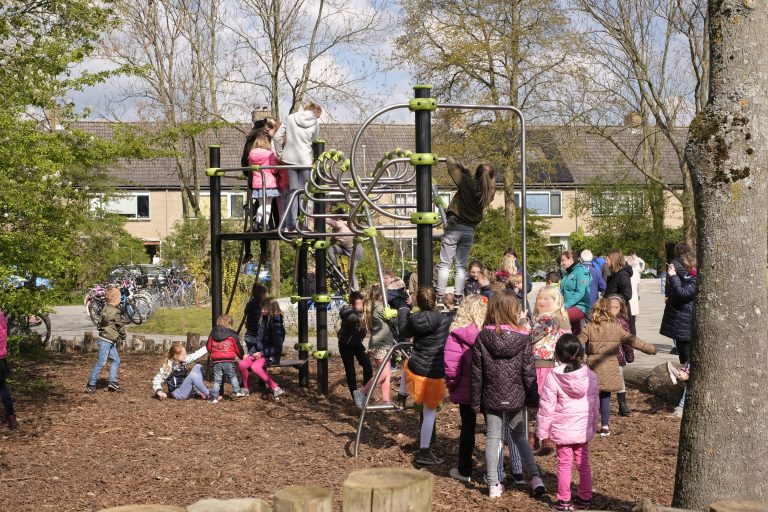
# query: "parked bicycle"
[[35, 327]]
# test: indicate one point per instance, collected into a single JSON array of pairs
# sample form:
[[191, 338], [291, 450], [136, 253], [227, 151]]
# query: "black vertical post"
[[214, 161], [303, 314], [424, 188], [321, 312]]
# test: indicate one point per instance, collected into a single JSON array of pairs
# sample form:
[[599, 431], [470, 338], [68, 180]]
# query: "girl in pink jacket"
[[274, 184], [5, 395], [458, 373], [568, 415]]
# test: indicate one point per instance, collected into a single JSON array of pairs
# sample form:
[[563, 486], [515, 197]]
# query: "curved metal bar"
[[405, 344]]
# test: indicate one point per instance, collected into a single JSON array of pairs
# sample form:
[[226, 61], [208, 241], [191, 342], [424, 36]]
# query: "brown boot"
[[11, 422], [547, 447]]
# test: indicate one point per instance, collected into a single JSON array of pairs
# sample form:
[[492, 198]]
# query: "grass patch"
[[178, 321]]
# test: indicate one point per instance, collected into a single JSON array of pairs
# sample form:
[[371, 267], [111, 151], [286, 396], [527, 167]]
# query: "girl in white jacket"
[[181, 384], [293, 142]]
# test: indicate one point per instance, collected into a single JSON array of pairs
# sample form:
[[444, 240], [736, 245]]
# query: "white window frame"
[[127, 205], [615, 203], [229, 196], [404, 239], [549, 194]]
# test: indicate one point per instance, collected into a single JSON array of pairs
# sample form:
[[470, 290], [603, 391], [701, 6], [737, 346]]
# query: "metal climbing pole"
[[321, 299], [214, 157], [424, 187]]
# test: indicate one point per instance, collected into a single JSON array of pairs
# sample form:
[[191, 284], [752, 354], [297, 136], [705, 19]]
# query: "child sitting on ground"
[[225, 350], [111, 331], [180, 382], [425, 370], [568, 412]]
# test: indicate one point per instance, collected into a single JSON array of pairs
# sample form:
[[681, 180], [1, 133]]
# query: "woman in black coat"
[[677, 322], [619, 282]]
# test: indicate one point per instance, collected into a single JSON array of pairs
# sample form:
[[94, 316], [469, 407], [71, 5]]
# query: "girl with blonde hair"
[[458, 371], [550, 322], [379, 343], [180, 382]]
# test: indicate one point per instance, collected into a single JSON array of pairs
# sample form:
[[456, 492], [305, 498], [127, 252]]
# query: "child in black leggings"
[[351, 336], [5, 395]]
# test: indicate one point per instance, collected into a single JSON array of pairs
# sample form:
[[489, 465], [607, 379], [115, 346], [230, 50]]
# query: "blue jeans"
[[107, 350], [194, 379], [455, 247], [228, 369], [297, 178], [496, 423]]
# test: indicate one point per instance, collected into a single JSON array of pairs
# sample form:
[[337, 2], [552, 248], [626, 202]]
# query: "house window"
[[547, 203], [131, 206], [236, 202], [405, 248], [406, 199], [231, 205], [612, 202]]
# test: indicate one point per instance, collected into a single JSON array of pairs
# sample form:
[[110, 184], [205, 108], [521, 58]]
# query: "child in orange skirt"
[[425, 370]]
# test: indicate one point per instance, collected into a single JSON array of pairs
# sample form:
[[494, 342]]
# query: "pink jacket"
[[458, 362], [569, 408], [274, 178], [3, 336]]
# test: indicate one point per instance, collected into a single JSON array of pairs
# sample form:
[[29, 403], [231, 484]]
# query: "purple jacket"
[[569, 406], [503, 373], [458, 363]]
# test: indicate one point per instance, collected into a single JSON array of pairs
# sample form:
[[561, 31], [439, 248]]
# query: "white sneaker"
[[359, 398], [454, 472], [605, 431], [240, 394], [215, 399], [277, 393], [673, 372], [495, 491], [677, 413]]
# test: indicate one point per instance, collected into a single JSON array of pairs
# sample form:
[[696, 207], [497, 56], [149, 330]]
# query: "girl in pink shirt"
[[568, 416], [275, 181], [5, 395]]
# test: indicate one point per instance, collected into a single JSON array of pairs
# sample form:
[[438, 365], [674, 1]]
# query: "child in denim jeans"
[[111, 330], [225, 350]]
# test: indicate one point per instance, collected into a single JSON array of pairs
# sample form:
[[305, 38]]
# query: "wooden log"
[[193, 342], [648, 506], [138, 343], [144, 508], [388, 490], [738, 506], [303, 498], [89, 342], [235, 505]]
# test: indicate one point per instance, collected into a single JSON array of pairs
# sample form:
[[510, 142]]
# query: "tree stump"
[[193, 342], [144, 508], [738, 506], [138, 343], [89, 342], [234, 505], [388, 490], [303, 498]]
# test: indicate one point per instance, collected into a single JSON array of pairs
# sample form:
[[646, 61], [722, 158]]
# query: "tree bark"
[[723, 450]]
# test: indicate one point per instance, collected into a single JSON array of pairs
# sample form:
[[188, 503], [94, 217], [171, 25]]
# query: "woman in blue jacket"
[[575, 289]]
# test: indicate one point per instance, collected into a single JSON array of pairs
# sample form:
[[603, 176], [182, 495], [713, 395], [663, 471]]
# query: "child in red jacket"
[[225, 350]]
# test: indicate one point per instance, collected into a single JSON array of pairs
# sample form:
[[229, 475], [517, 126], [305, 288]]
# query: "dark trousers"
[[683, 351], [5, 395], [466, 438], [348, 356], [632, 325]]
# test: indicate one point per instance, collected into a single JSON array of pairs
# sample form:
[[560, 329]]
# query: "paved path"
[[72, 321]]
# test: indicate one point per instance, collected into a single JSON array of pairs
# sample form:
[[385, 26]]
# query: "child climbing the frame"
[[265, 348], [351, 336], [603, 337], [568, 416], [225, 350], [476, 190], [425, 369], [273, 184], [379, 343], [503, 383], [180, 382], [111, 331]]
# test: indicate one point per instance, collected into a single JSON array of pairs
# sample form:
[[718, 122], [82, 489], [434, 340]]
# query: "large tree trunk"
[[723, 442]]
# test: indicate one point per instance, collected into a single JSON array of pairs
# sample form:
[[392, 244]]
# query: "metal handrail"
[[401, 345]]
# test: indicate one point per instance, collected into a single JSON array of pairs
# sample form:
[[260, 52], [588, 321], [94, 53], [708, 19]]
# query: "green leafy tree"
[[50, 174], [492, 238]]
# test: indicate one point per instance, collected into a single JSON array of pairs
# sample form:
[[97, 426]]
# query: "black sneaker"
[[90, 389], [427, 458], [114, 387], [580, 504]]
